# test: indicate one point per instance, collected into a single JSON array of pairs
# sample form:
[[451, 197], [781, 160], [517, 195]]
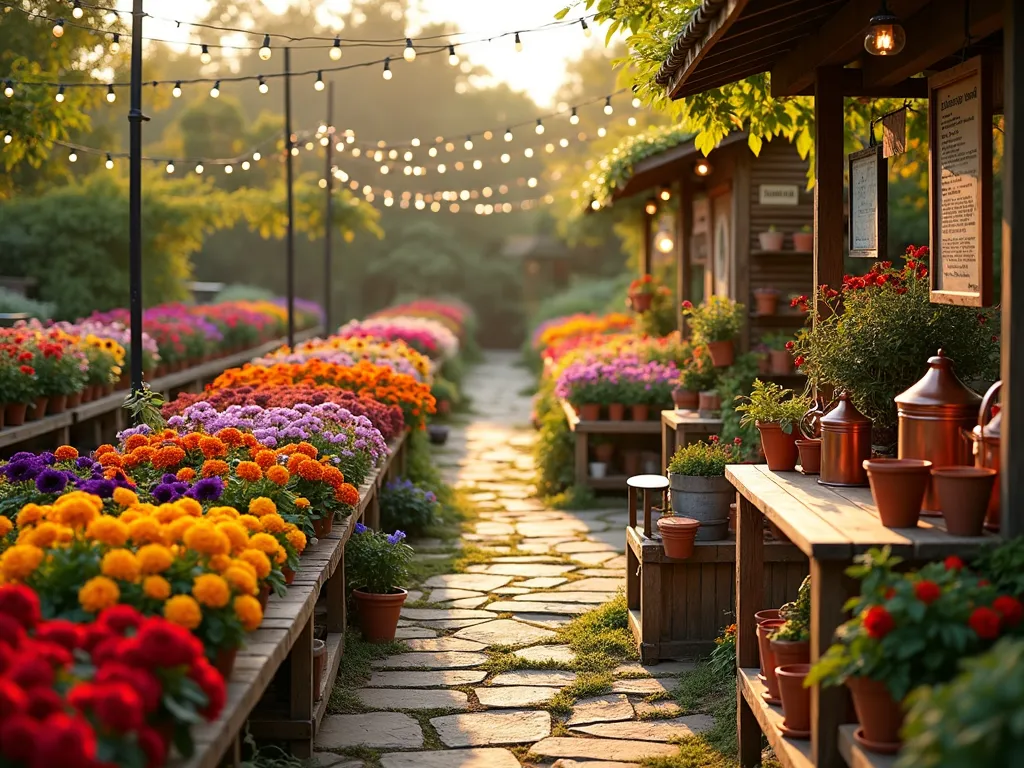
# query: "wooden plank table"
[[679, 427], [829, 526], [583, 430]]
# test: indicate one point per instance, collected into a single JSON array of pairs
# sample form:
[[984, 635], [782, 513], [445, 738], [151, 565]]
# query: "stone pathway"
[[437, 697]]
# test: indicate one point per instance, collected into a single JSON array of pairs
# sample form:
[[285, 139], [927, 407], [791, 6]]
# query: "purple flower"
[[84, 462], [165, 493], [208, 489], [22, 470], [360, 528], [102, 488], [51, 481], [169, 478], [395, 537]]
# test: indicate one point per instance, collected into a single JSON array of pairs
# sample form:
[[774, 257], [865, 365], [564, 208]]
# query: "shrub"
[[769, 402], [14, 303], [702, 459], [405, 506]]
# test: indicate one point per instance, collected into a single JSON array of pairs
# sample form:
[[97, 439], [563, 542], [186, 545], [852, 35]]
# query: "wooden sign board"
[[960, 184], [778, 194], [869, 203]]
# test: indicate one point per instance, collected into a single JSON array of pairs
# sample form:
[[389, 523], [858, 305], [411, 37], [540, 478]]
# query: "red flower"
[[65, 741], [954, 563], [890, 593], [43, 702], [28, 370], [985, 623], [1010, 608], [927, 591], [799, 361], [20, 603], [18, 736], [790, 345], [162, 644], [212, 684], [118, 707], [60, 632], [30, 672], [12, 699], [687, 304], [145, 683], [121, 618], [154, 746], [737, 441], [878, 622]]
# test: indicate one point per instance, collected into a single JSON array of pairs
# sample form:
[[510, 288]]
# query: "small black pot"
[[438, 434]]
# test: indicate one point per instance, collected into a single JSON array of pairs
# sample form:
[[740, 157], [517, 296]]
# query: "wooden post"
[[301, 695], [684, 231], [648, 245], [828, 705], [1012, 462], [740, 250], [828, 179]]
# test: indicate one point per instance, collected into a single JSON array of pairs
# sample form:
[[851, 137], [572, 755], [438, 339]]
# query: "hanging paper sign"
[[894, 133], [960, 183], [869, 201]]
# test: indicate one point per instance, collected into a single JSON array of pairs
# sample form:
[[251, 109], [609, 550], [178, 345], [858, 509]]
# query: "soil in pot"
[[766, 301], [603, 452], [378, 614], [898, 487], [964, 494], [677, 535], [796, 700], [685, 399], [14, 414], [723, 353], [778, 446], [791, 651], [768, 663], [616, 412], [780, 362], [639, 412], [880, 716], [589, 412], [704, 499], [810, 456]]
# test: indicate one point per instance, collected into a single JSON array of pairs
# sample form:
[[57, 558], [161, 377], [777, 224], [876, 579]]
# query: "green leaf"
[[562, 13]]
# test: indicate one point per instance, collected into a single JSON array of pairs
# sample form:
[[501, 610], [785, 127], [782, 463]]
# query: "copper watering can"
[[845, 444], [983, 441]]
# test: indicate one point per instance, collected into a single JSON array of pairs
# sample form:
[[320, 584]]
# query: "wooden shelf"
[[690, 419], [607, 427], [792, 753], [609, 483], [335, 647], [650, 550], [856, 756]]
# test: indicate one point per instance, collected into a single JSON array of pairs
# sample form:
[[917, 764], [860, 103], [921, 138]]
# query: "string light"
[[215, 91], [386, 74], [540, 127], [109, 163], [508, 134], [574, 118], [73, 157], [199, 168], [77, 11], [8, 89], [506, 157], [336, 51], [204, 55], [176, 91], [263, 87], [608, 108], [265, 53], [636, 102], [8, 138], [228, 169], [256, 156], [58, 28], [60, 95], [586, 30], [415, 142], [319, 84], [115, 44], [519, 44], [469, 143], [477, 165], [170, 167], [409, 54], [111, 96], [453, 57], [245, 165]]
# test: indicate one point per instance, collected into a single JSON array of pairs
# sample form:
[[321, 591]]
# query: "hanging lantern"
[[885, 36]]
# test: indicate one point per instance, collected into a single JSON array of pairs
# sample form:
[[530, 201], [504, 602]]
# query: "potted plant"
[[18, 383], [698, 487], [791, 642], [684, 399], [677, 535], [803, 241], [598, 470], [641, 293], [775, 412], [963, 494], [715, 323], [768, 664], [766, 301], [771, 240], [698, 375], [780, 358], [898, 487], [604, 449], [376, 564]]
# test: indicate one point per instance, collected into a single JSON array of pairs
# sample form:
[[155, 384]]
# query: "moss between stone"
[[355, 668]]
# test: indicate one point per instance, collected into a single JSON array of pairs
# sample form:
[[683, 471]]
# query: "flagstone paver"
[[569, 763], [657, 709], [468, 602], [444, 644], [601, 749], [408, 698], [556, 654], [662, 669], [411, 633], [528, 569], [515, 695], [542, 582], [425, 679], [593, 598], [649, 730], [594, 585], [644, 686], [503, 606], [470, 581], [477, 729], [601, 709], [451, 758], [505, 632], [439, 660], [444, 594], [377, 730], [434, 614]]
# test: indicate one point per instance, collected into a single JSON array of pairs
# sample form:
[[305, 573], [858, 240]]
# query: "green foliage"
[[718, 318], [975, 719], [242, 292], [144, 407], [377, 562], [601, 638], [777, 341], [797, 615], [699, 374], [768, 402], [662, 318], [554, 450], [702, 459], [735, 382], [723, 656], [15, 303], [1003, 566], [404, 506]]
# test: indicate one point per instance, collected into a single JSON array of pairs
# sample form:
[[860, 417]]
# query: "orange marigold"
[[212, 447], [231, 436], [302, 503], [334, 476], [190, 442], [249, 471], [105, 448], [145, 453], [111, 459], [186, 474], [250, 441], [278, 475], [135, 441], [266, 459], [168, 456], [347, 493], [66, 453], [214, 467], [307, 448], [261, 506], [296, 460], [311, 470]]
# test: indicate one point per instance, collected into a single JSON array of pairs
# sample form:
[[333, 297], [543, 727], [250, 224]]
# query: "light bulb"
[[256, 156], [586, 30], [432, 151], [636, 102], [531, 182], [508, 134], [77, 12], [228, 169], [73, 157], [324, 141], [295, 151], [386, 74], [631, 121], [58, 28], [409, 54], [477, 165], [111, 96], [265, 53], [115, 44], [335, 52], [453, 57], [8, 89], [665, 194], [702, 168], [407, 156], [664, 242], [651, 207], [563, 142], [263, 87], [540, 127], [205, 56], [608, 108], [602, 132], [246, 165], [528, 152], [441, 168], [393, 154], [885, 36], [415, 142], [319, 84], [170, 168], [574, 118], [8, 138], [519, 44], [215, 91], [506, 157], [469, 143], [176, 90], [199, 168], [60, 95], [109, 163]]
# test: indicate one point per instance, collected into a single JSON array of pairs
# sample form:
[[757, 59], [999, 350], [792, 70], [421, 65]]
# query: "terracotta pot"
[[685, 399], [810, 456], [616, 412], [161, 370], [880, 716], [14, 414], [444, 407], [589, 412], [766, 301], [224, 662], [639, 412], [37, 410], [771, 241], [796, 700], [604, 452], [768, 664], [709, 402], [791, 652], [677, 535], [768, 614], [74, 400], [57, 404], [803, 241], [319, 667], [723, 353], [631, 461], [87, 393], [378, 614], [780, 362], [898, 487], [779, 448], [264, 596], [964, 494], [641, 302], [318, 528], [108, 389], [289, 574], [328, 523]]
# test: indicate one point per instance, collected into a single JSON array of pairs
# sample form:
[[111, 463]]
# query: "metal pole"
[[135, 119], [328, 327], [290, 253]]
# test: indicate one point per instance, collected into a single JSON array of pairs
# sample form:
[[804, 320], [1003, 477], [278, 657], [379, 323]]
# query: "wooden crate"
[[678, 607]]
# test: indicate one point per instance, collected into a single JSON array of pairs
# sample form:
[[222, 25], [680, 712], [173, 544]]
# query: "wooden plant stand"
[[626, 431], [679, 428]]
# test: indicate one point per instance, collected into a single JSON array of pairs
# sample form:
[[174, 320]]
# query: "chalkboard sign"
[[869, 203], [960, 183]]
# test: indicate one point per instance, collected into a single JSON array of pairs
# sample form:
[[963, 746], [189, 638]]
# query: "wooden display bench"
[[679, 428], [829, 526], [626, 430]]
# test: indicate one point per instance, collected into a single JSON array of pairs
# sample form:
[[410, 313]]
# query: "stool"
[[647, 484]]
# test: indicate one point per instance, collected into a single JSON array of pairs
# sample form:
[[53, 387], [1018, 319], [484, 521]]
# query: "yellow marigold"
[[214, 467], [66, 453], [249, 612], [236, 533], [227, 513], [176, 531], [243, 580], [125, 497], [307, 448], [133, 442], [297, 539], [76, 511], [273, 523], [6, 526], [258, 560], [296, 460], [98, 593], [249, 471], [168, 456], [302, 503], [186, 474], [120, 564], [145, 530], [266, 459], [261, 506], [20, 561], [204, 538], [311, 470], [168, 513], [154, 558], [251, 523], [265, 543], [211, 590], [43, 535], [278, 475], [220, 563], [190, 507], [111, 531], [156, 587], [184, 611], [30, 514], [212, 447]]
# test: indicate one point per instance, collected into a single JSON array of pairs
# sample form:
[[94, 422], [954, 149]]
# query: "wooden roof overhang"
[[728, 40]]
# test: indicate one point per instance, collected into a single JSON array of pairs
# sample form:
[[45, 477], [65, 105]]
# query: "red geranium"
[[953, 563], [985, 623], [1010, 608], [927, 591], [878, 622]]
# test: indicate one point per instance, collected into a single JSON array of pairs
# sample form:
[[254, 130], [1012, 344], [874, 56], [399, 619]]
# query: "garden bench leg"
[[300, 707], [336, 609], [828, 706], [749, 600], [582, 474]]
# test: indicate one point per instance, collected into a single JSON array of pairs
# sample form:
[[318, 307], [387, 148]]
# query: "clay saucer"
[[768, 699], [880, 747], [789, 733]]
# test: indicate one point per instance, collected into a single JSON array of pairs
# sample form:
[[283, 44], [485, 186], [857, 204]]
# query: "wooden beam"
[[740, 249], [934, 33], [716, 29], [684, 230], [829, 164], [852, 84], [1012, 467]]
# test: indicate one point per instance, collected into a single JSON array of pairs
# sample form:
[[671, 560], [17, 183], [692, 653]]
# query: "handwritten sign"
[[869, 201], [960, 184], [778, 194]]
